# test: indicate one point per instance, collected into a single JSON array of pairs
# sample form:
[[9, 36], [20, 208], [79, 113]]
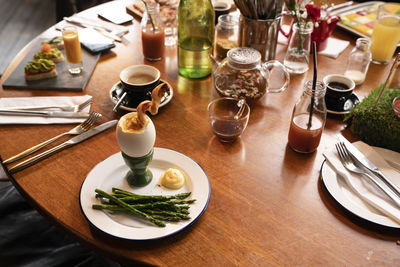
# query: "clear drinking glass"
[[225, 125], [153, 35], [72, 48], [298, 52], [168, 15], [385, 36]]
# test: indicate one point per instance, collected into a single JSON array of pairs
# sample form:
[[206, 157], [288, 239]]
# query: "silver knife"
[[104, 31], [43, 113], [363, 160], [70, 142]]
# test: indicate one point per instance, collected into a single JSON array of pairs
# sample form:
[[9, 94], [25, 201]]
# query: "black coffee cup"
[[221, 8], [139, 78], [138, 82], [338, 89]]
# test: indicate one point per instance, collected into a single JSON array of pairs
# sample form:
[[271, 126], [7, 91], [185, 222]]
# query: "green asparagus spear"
[[130, 208], [127, 193]]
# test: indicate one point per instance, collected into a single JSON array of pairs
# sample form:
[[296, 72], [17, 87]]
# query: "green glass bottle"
[[195, 38]]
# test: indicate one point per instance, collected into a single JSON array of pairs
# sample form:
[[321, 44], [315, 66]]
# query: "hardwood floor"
[[20, 22]]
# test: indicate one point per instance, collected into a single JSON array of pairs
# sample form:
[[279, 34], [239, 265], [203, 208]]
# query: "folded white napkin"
[[333, 49], [360, 187], [7, 102]]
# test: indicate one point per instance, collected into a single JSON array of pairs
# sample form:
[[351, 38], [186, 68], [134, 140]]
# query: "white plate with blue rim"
[[111, 173]]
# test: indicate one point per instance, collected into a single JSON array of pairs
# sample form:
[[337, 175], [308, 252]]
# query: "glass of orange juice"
[[386, 33], [72, 49]]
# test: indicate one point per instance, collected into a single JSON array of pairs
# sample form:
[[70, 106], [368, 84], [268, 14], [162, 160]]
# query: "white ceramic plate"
[[349, 200], [114, 97], [111, 173]]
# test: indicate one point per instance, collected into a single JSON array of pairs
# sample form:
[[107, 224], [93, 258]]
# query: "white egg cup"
[[137, 152]]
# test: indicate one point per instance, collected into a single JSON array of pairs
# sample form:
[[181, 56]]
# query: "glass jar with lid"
[[358, 62], [242, 75], [226, 35]]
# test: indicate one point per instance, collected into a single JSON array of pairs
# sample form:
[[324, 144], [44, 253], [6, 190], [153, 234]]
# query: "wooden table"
[[268, 205]]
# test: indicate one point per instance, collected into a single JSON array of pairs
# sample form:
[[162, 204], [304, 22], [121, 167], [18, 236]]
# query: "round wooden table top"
[[268, 204]]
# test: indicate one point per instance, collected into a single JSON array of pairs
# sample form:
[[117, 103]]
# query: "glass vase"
[[298, 52]]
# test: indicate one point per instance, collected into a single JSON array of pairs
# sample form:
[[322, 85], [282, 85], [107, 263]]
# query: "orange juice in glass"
[[386, 33], [72, 49]]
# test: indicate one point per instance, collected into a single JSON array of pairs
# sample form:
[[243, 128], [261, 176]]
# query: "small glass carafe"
[[308, 119], [358, 62]]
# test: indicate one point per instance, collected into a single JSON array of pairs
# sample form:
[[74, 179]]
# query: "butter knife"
[[43, 113], [364, 161], [69, 143]]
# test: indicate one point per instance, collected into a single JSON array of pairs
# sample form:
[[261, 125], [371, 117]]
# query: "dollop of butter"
[[173, 179]]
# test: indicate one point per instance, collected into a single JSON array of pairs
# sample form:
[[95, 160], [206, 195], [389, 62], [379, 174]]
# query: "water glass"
[[168, 15]]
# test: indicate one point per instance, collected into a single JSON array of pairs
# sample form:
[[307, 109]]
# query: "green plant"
[[377, 126]]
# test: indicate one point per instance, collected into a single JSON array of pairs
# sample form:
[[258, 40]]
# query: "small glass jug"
[[242, 75]]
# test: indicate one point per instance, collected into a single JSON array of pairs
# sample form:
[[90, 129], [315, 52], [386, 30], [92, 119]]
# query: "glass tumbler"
[[153, 36], [386, 34], [72, 48]]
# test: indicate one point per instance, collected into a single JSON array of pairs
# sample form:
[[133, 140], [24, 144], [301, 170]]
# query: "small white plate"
[[111, 173], [116, 90], [339, 190]]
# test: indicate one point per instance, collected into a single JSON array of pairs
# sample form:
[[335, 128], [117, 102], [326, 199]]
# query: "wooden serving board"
[[64, 80]]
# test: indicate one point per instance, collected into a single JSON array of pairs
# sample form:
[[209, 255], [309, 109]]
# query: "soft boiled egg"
[[135, 141]]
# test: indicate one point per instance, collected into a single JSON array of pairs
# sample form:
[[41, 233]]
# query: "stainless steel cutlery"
[[361, 159], [83, 127], [69, 143], [352, 166]]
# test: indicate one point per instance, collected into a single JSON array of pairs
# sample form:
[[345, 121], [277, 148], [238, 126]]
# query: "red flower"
[[313, 12]]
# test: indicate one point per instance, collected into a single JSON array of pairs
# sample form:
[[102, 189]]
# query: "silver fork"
[[83, 127], [350, 165], [74, 108]]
